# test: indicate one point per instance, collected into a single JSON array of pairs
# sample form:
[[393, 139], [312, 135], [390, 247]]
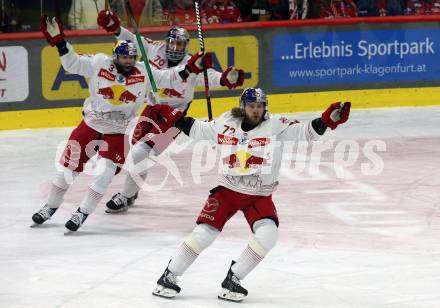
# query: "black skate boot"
[[76, 220], [167, 285], [43, 214], [118, 203], [231, 288]]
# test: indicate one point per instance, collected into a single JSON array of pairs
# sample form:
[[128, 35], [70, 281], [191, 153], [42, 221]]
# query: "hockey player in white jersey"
[[162, 54], [118, 87], [249, 140]]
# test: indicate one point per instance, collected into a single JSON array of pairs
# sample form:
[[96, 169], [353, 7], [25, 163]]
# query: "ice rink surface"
[[353, 241]]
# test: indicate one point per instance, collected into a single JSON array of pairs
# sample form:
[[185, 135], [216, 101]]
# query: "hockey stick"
[[141, 45], [106, 5], [202, 49]]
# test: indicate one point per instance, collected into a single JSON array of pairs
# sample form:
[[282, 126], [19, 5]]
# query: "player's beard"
[[124, 69], [253, 120]]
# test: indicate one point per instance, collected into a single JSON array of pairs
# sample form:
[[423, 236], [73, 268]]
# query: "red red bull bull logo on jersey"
[[127, 97], [106, 93], [254, 161], [117, 95], [232, 161], [243, 162], [171, 93]]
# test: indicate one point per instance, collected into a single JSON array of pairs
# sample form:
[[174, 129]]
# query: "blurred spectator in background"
[[179, 12], [83, 14], [9, 16], [146, 12], [23, 15], [30, 11], [245, 7], [391, 7], [298, 9], [334, 9], [370, 7], [422, 7], [262, 10], [220, 11]]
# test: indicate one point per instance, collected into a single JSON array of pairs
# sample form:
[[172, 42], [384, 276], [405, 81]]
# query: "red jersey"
[[420, 7], [222, 12], [177, 16], [337, 9]]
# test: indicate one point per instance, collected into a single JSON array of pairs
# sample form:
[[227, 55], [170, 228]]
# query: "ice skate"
[[118, 203], [231, 288], [167, 285], [45, 213], [75, 222]]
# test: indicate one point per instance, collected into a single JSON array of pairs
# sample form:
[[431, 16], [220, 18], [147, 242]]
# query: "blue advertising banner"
[[356, 57]]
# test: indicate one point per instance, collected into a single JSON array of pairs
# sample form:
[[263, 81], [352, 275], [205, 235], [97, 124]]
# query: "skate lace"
[[120, 200], [77, 218], [235, 280], [171, 278], [45, 212]]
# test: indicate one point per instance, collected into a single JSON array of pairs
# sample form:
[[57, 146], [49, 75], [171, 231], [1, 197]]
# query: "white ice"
[[358, 241]]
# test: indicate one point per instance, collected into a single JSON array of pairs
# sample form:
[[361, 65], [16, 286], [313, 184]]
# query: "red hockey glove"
[[232, 78], [168, 113], [199, 61], [108, 20], [52, 30], [336, 114]]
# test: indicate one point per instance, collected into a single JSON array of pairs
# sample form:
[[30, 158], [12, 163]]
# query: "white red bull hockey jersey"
[[114, 99], [182, 94], [250, 161]]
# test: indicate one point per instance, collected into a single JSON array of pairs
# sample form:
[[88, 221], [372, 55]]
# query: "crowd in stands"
[[23, 15]]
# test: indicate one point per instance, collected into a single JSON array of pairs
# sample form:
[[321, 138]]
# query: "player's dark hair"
[[237, 112]]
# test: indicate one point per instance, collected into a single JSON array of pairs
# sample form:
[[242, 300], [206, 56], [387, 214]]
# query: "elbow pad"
[[185, 124]]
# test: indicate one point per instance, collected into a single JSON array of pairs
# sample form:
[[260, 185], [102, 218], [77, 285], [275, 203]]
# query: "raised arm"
[[75, 63], [231, 78], [124, 34], [214, 79], [173, 77], [335, 114], [71, 61], [110, 22], [198, 130], [307, 131]]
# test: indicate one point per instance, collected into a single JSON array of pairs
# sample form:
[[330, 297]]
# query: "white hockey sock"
[[89, 203], [130, 187], [265, 237], [202, 236], [59, 187], [56, 196], [137, 164], [248, 260], [183, 260], [104, 172]]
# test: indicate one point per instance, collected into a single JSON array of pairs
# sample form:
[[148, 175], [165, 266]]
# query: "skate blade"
[[69, 232], [164, 292], [34, 225], [229, 296], [109, 211]]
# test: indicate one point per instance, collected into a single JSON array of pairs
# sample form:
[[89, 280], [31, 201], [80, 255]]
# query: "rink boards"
[[278, 103]]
